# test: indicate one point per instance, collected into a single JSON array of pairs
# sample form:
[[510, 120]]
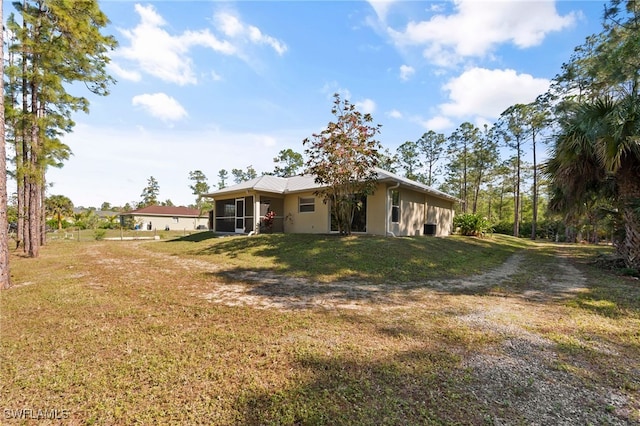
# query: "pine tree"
[[150, 193], [56, 43], [5, 277]]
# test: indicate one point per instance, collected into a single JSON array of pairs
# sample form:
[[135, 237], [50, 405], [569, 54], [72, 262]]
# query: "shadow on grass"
[[196, 238], [371, 258], [329, 271], [416, 387]]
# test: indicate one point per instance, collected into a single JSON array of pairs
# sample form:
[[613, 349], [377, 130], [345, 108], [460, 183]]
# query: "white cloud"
[[487, 93], [124, 74], [160, 105], [406, 72], [229, 24], [438, 123], [366, 106], [381, 7], [477, 27], [256, 36], [154, 51], [394, 113], [234, 28]]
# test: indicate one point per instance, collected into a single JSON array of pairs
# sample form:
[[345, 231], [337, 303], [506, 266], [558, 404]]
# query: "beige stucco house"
[[161, 218], [398, 206]]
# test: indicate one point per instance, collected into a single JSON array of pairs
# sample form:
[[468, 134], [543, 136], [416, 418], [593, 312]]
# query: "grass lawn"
[[319, 330]]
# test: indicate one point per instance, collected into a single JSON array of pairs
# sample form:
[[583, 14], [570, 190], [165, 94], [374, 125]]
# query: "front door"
[[240, 215]]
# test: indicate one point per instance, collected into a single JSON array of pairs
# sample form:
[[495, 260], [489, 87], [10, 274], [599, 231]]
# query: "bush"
[[99, 234], [503, 227], [471, 224]]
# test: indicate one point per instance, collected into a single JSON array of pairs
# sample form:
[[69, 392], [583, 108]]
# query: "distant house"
[[102, 214], [164, 218], [398, 206]]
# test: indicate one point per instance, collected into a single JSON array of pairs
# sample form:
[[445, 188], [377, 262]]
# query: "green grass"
[[330, 257], [113, 333]]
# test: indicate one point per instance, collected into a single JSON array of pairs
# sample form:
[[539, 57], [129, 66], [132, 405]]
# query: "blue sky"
[[207, 85]]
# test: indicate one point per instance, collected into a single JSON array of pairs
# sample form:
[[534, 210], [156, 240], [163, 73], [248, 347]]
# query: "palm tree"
[[59, 206], [598, 148]]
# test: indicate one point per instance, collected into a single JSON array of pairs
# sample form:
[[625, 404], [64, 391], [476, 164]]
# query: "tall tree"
[[343, 158], [199, 188], [537, 119], [56, 43], [240, 175], [409, 159], [5, 276], [484, 156], [223, 175], [513, 128], [59, 207], [150, 193], [615, 62], [387, 161], [460, 152], [431, 145], [288, 163], [506, 184]]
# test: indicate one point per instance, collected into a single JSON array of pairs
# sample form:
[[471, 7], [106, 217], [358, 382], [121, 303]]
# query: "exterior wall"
[[412, 213], [416, 210], [174, 223], [440, 212], [316, 222], [377, 211]]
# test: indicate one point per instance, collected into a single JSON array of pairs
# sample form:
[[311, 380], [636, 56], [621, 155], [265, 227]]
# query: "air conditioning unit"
[[430, 229]]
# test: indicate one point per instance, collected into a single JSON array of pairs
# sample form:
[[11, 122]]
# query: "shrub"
[[267, 222], [471, 224], [99, 234]]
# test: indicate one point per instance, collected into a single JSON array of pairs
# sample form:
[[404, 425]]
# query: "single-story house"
[[398, 206], [173, 218]]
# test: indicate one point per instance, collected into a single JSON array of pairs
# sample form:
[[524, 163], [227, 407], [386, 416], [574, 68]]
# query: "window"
[[176, 219], [306, 204], [395, 206], [226, 208]]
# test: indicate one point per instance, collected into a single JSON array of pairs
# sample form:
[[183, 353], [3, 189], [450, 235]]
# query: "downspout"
[[386, 216]]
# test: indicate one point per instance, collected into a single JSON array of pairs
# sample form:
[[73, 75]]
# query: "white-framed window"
[[395, 206], [176, 219], [306, 204]]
